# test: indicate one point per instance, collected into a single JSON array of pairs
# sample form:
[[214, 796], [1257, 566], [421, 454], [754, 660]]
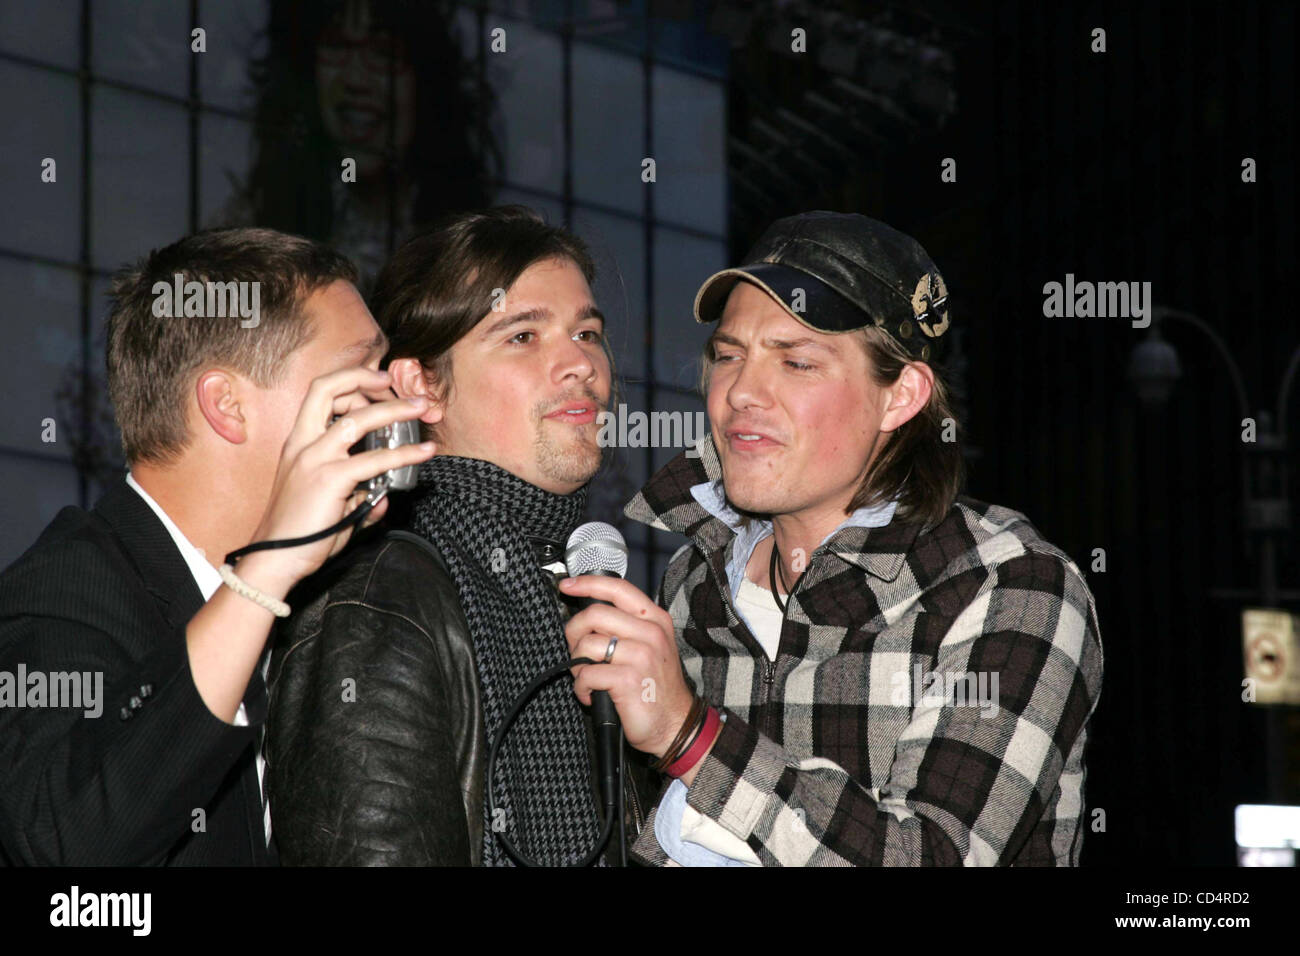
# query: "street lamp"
[[1153, 370]]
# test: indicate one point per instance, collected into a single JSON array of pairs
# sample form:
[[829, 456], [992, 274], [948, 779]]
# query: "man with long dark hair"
[[853, 664], [384, 84], [387, 687]]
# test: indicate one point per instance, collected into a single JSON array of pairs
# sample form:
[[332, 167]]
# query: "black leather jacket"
[[376, 747]]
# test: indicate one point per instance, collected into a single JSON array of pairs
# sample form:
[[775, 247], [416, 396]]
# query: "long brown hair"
[[919, 464]]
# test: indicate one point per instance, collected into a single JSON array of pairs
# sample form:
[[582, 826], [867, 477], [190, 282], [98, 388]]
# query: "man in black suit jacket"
[[225, 415]]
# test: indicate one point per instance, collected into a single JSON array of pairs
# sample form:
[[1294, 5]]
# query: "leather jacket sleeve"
[[362, 748]]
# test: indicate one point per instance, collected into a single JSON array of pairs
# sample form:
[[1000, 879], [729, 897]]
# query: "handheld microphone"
[[598, 548]]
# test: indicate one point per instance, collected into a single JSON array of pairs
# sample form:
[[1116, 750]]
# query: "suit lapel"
[[153, 552], [159, 562]]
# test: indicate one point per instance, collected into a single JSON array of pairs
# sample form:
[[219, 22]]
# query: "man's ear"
[[218, 397], [908, 395], [410, 379]]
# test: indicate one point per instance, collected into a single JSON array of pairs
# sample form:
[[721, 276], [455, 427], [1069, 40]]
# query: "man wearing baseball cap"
[[848, 663]]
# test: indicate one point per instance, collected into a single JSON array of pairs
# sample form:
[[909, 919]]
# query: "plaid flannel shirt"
[[835, 753]]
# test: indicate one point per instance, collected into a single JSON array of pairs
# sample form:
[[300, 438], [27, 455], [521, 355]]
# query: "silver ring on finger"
[[609, 649]]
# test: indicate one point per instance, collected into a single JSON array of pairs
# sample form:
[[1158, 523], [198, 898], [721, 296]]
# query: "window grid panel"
[[142, 82]]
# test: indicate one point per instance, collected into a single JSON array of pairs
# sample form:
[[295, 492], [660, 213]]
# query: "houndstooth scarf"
[[480, 516]]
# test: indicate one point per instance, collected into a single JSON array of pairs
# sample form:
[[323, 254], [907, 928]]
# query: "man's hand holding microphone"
[[654, 715]]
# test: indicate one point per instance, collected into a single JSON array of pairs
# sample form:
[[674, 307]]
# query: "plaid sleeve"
[[968, 785]]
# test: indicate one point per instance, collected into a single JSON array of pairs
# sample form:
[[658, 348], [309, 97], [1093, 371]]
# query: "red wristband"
[[702, 743]]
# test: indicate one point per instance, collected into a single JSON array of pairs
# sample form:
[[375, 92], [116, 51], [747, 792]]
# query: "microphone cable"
[[520, 702]]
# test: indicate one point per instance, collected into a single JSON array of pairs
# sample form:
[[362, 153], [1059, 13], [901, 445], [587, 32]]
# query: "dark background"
[[1115, 166]]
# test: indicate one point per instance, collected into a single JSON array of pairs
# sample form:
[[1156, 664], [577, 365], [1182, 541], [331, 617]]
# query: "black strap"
[[775, 574]]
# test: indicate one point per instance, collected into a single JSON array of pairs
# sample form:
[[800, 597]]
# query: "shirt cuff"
[[690, 839]]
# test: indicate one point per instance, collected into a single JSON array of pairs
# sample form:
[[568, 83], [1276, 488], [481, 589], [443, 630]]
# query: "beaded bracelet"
[[244, 589]]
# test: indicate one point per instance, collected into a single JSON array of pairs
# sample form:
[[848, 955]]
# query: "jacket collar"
[[673, 500], [151, 549]]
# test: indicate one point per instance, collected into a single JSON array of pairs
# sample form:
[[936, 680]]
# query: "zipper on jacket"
[[636, 805], [767, 673], [768, 681], [768, 667], [772, 720]]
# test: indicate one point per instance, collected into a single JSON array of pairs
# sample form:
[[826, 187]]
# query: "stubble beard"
[[757, 493], [755, 497], [574, 459]]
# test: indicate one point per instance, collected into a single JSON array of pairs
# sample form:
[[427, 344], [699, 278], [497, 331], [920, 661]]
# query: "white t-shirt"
[[760, 612]]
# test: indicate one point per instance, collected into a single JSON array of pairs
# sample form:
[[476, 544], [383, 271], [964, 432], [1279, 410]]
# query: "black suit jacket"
[[156, 778]]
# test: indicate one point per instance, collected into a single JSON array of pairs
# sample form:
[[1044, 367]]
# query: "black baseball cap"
[[838, 272]]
